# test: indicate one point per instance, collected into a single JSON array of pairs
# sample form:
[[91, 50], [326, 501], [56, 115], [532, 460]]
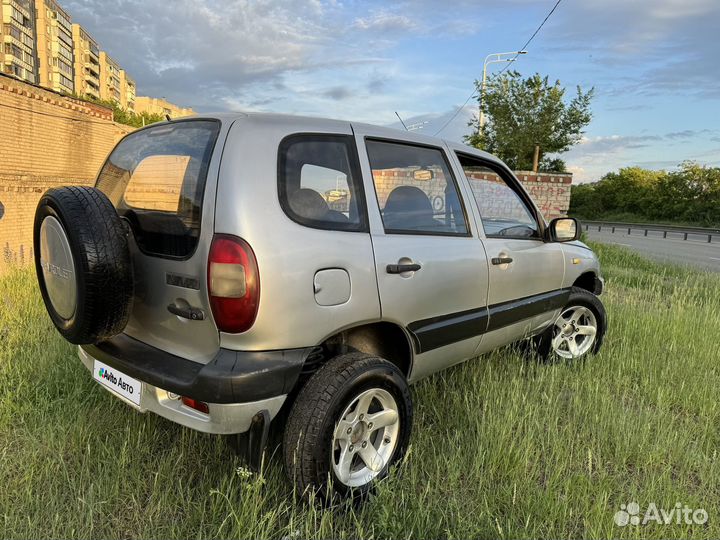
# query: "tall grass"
[[501, 447]]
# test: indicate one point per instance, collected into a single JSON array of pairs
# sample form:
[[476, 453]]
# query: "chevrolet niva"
[[229, 267]]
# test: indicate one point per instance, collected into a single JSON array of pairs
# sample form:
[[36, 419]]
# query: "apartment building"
[[54, 47], [127, 91], [17, 39], [40, 45], [109, 78], [87, 63], [150, 105]]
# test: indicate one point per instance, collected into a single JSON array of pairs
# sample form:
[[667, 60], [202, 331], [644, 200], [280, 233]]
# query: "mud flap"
[[251, 445]]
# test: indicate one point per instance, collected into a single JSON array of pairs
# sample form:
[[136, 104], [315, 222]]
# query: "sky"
[[654, 64]]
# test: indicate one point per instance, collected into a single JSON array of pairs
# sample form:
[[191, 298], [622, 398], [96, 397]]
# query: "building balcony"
[[93, 69], [89, 89], [21, 7]]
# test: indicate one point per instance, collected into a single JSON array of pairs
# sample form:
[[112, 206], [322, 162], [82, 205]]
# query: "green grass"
[[501, 447]]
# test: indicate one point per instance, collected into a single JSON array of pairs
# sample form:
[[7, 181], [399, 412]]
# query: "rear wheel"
[[349, 424]]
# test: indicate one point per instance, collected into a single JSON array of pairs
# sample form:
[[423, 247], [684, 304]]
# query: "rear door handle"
[[401, 268], [501, 260], [194, 314]]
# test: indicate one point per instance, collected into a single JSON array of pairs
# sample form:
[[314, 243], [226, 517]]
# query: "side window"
[[319, 184], [415, 189], [503, 211]]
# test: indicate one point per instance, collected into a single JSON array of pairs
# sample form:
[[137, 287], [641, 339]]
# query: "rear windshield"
[[156, 180]]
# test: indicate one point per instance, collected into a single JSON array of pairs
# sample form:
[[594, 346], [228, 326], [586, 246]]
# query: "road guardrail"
[[673, 230]]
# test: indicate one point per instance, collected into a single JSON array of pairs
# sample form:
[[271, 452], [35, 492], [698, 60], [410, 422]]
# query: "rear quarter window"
[[156, 180], [319, 182]]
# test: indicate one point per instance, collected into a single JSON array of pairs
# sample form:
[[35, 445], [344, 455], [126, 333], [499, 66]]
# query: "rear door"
[[526, 273], [431, 269], [162, 181]]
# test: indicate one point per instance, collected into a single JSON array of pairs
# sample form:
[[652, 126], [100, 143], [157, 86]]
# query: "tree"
[[689, 194], [121, 115], [522, 113]]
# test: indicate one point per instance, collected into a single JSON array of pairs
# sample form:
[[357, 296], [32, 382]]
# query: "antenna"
[[401, 121]]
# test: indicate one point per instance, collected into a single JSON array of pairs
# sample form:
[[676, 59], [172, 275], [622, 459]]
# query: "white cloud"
[[385, 21]]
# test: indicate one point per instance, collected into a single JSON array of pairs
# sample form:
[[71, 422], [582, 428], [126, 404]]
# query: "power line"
[[533, 36], [460, 108], [523, 48]]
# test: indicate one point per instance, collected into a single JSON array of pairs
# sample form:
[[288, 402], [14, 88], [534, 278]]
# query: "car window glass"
[[415, 189], [155, 178], [502, 210], [157, 181], [316, 183]]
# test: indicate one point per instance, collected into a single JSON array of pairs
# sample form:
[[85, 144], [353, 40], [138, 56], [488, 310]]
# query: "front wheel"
[[349, 424], [578, 330]]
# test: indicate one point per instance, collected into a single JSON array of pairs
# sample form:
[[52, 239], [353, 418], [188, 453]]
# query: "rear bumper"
[[236, 385], [230, 377]]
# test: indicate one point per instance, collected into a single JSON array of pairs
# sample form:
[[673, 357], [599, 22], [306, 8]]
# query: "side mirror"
[[563, 230]]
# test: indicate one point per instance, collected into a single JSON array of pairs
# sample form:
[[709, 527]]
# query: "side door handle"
[[401, 268], [501, 260]]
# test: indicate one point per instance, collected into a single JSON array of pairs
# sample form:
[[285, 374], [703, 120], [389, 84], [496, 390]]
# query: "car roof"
[[329, 123]]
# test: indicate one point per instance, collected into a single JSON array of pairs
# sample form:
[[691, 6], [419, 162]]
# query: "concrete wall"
[[46, 140]]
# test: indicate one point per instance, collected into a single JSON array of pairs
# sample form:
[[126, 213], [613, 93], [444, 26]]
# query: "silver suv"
[[229, 269]]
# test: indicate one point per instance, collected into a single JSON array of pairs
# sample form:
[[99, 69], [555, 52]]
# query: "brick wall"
[[46, 140], [551, 192]]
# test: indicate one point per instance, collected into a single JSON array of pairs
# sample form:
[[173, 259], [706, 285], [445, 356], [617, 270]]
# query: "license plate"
[[118, 382]]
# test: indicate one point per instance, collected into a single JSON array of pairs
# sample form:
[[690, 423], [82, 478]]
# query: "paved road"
[[695, 251]]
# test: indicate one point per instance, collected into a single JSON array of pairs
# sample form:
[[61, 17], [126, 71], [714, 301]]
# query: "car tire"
[[82, 262], [343, 396], [543, 347]]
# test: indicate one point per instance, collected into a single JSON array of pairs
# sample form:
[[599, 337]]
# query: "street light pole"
[[493, 58]]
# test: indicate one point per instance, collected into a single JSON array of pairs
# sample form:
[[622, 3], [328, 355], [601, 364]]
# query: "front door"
[[431, 269], [526, 273]]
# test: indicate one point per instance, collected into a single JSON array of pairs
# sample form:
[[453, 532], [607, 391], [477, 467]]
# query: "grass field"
[[501, 447]]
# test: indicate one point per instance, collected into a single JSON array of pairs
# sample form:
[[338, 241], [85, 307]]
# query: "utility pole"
[[493, 58], [536, 158]]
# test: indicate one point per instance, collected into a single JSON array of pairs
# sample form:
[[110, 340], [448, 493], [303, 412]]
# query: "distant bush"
[[690, 194], [121, 115]]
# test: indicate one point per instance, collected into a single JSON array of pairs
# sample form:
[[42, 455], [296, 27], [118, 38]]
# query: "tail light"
[[233, 283]]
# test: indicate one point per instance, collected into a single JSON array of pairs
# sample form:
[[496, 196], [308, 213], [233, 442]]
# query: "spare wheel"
[[83, 264]]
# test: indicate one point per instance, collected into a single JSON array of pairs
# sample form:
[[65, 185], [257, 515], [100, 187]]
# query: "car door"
[[525, 272], [431, 269]]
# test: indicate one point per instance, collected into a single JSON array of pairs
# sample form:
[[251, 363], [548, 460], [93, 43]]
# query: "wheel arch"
[[587, 281], [382, 338]]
